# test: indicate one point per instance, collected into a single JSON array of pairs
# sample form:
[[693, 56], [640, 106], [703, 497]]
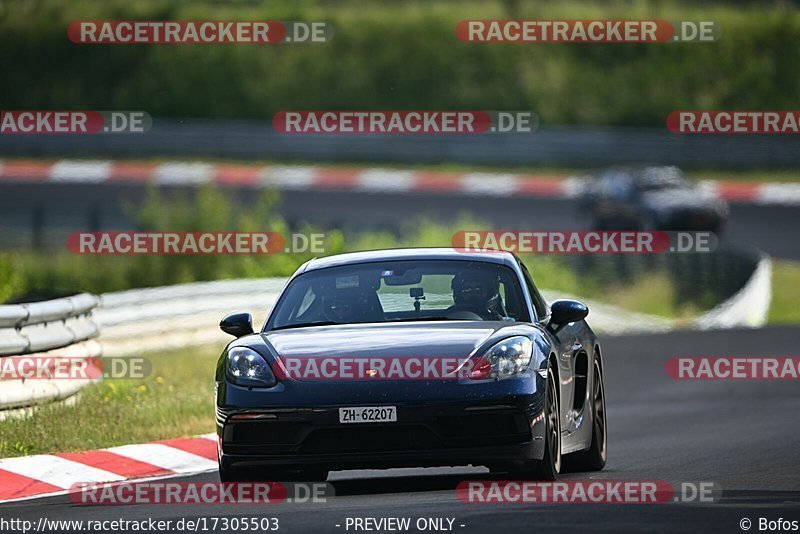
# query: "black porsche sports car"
[[651, 198], [410, 358]]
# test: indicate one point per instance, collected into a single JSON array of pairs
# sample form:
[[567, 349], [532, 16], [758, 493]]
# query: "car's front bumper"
[[498, 431]]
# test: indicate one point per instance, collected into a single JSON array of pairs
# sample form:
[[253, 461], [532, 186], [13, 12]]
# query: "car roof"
[[401, 254], [661, 176]]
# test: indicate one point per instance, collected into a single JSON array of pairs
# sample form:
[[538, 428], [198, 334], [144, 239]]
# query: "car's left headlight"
[[246, 367], [507, 358]]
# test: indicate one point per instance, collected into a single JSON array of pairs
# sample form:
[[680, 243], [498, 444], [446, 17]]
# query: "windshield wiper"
[[329, 323], [304, 325]]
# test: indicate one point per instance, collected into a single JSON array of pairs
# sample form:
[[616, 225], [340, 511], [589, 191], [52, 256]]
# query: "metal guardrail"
[[141, 320], [42, 326], [566, 146], [18, 395], [61, 327]]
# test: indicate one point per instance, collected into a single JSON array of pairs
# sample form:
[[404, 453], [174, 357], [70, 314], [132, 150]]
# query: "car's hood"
[[428, 339]]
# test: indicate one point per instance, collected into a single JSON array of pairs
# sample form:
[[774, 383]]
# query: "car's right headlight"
[[507, 358], [246, 367]]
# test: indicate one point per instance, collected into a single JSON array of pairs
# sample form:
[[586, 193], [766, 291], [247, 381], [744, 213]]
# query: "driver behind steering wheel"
[[478, 293]]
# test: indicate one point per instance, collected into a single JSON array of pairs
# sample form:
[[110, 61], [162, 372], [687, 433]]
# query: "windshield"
[[658, 178], [401, 291]]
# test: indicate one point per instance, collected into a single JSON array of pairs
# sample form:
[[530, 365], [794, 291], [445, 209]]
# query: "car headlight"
[[507, 358], [246, 367]]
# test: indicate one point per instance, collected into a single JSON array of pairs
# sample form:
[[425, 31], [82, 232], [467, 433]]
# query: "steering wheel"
[[464, 315]]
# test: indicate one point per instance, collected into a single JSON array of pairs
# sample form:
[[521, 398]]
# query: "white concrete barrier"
[[748, 307]]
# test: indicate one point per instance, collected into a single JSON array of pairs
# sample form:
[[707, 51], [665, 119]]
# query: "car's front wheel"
[[549, 466], [594, 458]]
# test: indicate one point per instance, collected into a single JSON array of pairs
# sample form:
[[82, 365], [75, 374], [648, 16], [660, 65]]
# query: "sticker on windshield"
[[346, 282]]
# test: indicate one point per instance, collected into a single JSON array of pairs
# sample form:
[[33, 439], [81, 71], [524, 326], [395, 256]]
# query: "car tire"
[[549, 467], [594, 458]]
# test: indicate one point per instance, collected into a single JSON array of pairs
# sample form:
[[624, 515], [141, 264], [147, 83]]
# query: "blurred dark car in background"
[[651, 198]]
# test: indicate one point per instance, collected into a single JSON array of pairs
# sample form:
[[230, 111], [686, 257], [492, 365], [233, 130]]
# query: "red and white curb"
[[53, 474], [349, 179]]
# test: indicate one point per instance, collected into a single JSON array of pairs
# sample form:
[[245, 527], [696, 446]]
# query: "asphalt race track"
[[77, 207], [741, 435], [749, 225]]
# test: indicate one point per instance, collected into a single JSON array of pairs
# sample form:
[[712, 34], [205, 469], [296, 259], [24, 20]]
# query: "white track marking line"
[[386, 180], [500, 185], [80, 171], [289, 177], [183, 173], [788, 193]]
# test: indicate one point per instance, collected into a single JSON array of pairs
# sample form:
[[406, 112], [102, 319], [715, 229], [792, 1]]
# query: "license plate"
[[368, 414]]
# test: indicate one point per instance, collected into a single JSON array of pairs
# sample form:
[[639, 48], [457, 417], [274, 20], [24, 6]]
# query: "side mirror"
[[565, 311], [237, 324]]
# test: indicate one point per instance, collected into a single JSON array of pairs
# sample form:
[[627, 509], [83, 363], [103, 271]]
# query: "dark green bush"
[[401, 55]]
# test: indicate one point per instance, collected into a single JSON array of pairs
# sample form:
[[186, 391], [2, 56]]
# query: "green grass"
[[177, 399], [649, 292], [785, 292], [652, 294]]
